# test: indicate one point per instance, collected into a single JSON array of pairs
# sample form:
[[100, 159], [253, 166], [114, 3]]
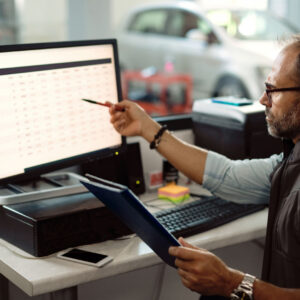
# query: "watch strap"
[[244, 289]]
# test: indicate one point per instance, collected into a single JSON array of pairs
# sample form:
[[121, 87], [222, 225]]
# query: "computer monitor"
[[44, 124]]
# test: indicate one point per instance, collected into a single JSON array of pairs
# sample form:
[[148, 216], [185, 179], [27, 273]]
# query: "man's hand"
[[132, 120], [203, 272]]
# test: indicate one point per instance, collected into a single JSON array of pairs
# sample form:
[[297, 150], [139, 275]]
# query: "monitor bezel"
[[35, 172]]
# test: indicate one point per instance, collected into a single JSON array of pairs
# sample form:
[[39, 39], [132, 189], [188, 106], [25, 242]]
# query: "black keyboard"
[[202, 214]]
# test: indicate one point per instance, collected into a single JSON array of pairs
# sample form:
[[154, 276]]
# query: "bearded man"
[[274, 180]]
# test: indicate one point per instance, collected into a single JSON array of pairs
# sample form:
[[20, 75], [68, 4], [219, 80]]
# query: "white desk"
[[59, 278]]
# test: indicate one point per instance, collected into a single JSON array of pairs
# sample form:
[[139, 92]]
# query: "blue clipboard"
[[126, 205]]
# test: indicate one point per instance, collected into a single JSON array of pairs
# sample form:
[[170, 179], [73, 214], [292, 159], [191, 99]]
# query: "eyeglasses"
[[270, 91]]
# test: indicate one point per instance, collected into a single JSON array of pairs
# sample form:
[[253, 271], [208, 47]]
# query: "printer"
[[234, 130]]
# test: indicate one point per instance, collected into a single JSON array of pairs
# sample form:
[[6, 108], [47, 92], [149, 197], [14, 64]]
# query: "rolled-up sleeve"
[[241, 181]]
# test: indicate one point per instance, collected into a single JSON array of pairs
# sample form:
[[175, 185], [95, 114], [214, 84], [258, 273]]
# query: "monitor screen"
[[44, 124]]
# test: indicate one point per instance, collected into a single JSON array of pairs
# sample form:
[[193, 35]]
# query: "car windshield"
[[250, 24]]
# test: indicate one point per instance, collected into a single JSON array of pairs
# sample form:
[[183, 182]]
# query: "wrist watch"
[[244, 290]]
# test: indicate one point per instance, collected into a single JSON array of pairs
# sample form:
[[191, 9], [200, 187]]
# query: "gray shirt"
[[246, 181]]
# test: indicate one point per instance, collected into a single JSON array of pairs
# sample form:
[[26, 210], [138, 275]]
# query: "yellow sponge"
[[173, 192]]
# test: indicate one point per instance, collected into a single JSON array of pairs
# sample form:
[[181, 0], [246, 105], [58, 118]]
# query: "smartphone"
[[85, 257]]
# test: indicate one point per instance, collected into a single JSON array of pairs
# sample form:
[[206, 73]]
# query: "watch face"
[[243, 295]]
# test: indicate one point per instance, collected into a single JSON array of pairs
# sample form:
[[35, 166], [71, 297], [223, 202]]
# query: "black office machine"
[[45, 226], [237, 131]]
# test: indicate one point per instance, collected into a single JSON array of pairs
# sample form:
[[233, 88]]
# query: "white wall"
[[58, 20], [41, 20], [89, 19], [288, 9]]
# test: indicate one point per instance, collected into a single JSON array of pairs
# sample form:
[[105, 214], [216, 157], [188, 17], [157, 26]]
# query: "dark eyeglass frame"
[[288, 89]]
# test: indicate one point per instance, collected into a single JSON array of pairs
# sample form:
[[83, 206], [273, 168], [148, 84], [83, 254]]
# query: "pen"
[[118, 108]]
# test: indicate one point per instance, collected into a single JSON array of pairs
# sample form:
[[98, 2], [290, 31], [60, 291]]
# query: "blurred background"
[[171, 52]]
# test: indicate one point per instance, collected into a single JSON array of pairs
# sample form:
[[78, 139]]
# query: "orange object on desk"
[[164, 80], [174, 192]]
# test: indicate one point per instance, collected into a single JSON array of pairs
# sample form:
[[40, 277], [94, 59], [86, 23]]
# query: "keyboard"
[[202, 214]]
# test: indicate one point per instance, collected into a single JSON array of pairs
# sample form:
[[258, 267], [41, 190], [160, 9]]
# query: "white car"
[[257, 31], [180, 33]]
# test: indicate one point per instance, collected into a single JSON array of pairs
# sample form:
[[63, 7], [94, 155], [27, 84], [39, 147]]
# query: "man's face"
[[283, 114]]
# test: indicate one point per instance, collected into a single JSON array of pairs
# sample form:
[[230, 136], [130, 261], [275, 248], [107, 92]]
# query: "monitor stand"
[[47, 186]]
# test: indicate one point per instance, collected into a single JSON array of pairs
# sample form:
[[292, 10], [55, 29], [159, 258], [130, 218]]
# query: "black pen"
[[107, 104]]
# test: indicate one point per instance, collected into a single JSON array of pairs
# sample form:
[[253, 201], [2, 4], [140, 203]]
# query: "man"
[[276, 178]]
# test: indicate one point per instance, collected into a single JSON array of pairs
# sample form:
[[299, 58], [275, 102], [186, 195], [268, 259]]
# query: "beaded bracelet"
[[157, 137]]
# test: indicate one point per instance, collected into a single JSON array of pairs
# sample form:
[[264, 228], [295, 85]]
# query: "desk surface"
[[42, 275]]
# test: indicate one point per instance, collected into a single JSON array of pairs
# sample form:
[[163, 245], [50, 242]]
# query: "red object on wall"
[[164, 106]]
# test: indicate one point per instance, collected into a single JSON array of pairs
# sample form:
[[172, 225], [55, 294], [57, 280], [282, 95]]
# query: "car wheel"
[[231, 86]]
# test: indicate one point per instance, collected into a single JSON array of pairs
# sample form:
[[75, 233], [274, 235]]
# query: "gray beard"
[[288, 126]]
